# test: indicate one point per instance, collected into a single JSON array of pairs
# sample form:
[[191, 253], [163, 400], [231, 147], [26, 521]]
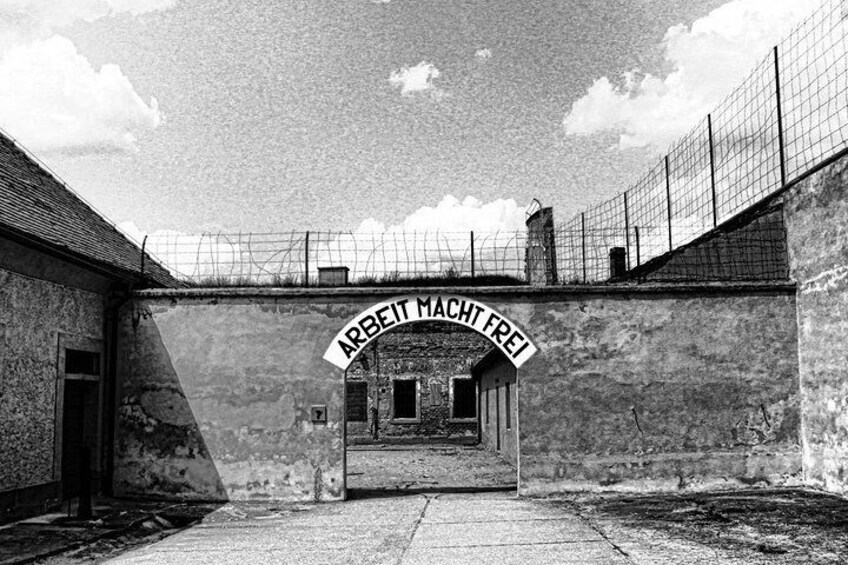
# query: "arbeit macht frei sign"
[[380, 318]]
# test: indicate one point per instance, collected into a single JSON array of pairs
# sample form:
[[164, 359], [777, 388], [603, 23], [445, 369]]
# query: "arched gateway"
[[381, 318]]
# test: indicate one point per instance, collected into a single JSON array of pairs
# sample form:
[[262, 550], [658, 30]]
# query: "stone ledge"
[[781, 287]]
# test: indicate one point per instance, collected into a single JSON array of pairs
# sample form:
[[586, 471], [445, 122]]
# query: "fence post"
[[712, 169], [638, 255], [143, 246], [472, 254], [583, 231], [668, 201], [627, 229], [306, 260], [779, 120]]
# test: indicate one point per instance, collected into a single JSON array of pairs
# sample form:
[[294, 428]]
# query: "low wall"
[[633, 387]]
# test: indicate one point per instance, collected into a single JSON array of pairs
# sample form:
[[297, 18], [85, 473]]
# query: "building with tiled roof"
[[38, 211], [64, 272]]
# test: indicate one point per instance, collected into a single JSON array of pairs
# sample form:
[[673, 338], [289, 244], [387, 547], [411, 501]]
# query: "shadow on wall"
[[160, 449], [217, 402]]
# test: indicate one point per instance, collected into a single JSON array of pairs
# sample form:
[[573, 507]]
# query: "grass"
[[393, 279]]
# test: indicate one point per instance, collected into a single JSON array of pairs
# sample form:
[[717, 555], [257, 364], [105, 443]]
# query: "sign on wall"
[[381, 318]]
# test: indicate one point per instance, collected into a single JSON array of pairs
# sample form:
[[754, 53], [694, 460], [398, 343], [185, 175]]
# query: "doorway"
[[79, 433], [413, 410]]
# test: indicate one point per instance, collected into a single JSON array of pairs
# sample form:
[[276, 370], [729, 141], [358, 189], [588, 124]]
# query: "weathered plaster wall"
[[431, 353], [660, 391], [816, 221], [218, 384], [215, 399], [32, 314]]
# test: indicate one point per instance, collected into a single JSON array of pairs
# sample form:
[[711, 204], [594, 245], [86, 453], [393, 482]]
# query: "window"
[[487, 406], [79, 362], [464, 398], [507, 405], [404, 399], [357, 401]]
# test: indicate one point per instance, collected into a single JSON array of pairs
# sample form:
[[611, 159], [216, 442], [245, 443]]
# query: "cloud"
[[707, 60], [453, 215], [53, 99], [417, 79], [434, 240], [483, 54]]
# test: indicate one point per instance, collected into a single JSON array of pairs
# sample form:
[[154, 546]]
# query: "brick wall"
[[431, 353]]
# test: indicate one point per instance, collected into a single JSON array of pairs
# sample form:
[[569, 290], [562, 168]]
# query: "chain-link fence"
[[297, 258], [787, 119]]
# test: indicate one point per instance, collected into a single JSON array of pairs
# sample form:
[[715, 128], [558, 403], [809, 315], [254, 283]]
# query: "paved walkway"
[[490, 528], [774, 527], [426, 467]]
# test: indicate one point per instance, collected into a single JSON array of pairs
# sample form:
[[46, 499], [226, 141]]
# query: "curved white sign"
[[380, 318]]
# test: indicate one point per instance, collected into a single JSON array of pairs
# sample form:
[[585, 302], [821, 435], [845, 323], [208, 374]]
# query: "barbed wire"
[[296, 258]]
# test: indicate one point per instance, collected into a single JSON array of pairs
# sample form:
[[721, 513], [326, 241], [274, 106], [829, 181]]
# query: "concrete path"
[[490, 528]]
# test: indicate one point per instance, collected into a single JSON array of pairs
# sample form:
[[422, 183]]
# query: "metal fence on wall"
[[294, 258], [786, 119]]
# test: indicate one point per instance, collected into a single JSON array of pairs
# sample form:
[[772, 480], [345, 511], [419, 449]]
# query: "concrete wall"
[[34, 314], [661, 391], [215, 399], [217, 386], [816, 218], [431, 353], [497, 432]]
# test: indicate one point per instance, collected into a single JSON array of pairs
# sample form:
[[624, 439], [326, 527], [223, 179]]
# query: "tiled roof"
[[36, 206]]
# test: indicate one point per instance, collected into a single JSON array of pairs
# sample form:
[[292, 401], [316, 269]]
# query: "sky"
[[249, 115]]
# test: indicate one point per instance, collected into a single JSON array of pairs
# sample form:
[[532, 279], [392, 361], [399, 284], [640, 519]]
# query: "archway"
[[448, 378]]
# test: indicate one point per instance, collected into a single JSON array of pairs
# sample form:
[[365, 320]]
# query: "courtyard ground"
[[428, 467], [400, 516], [764, 527]]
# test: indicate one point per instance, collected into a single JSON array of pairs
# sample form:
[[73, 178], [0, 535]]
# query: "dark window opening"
[[404, 399], [82, 362], [464, 398], [507, 405], [487, 406], [357, 401]]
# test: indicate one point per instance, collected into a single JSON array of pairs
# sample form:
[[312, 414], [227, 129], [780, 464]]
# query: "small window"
[[507, 405], [82, 362], [464, 398], [357, 401], [404, 399]]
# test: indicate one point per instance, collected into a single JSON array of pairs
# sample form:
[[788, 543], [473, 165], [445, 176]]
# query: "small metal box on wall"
[[332, 276], [318, 413]]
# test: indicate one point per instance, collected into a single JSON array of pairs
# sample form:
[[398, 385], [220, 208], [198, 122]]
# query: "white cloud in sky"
[[483, 54], [708, 60], [51, 97], [434, 240], [454, 215], [417, 79]]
